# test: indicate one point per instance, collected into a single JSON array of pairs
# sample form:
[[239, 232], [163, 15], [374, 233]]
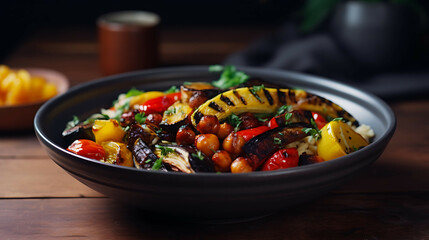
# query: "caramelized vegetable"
[[266, 100], [117, 153], [338, 139]]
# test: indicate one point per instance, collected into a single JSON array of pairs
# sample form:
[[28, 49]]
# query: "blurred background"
[[375, 44]]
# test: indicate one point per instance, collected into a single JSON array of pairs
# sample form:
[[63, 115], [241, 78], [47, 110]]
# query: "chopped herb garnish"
[[198, 155], [73, 122], [230, 77], [256, 89], [187, 83], [235, 121], [133, 92], [338, 119], [158, 131], [170, 111], [140, 118], [277, 141], [165, 150], [158, 163], [262, 117], [314, 131], [283, 109], [288, 116], [173, 89], [148, 161]]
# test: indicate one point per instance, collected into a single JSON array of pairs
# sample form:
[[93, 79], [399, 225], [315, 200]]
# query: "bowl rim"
[[312, 168]]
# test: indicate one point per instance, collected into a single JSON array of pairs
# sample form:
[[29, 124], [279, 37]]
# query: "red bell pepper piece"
[[87, 148], [284, 158], [159, 104], [252, 132], [319, 120], [273, 123]]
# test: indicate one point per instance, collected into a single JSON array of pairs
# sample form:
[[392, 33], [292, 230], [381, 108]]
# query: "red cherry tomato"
[[159, 104], [87, 148], [253, 132], [273, 123], [284, 158], [319, 120]]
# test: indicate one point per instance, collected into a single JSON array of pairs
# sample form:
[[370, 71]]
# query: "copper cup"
[[128, 41]]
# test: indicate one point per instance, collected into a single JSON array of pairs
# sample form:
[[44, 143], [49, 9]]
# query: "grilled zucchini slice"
[[266, 100]]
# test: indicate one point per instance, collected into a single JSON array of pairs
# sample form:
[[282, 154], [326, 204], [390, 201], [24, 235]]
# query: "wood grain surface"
[[38, 200]]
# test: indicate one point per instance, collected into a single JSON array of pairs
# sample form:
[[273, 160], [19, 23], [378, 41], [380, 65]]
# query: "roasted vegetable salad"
[[234, 124]]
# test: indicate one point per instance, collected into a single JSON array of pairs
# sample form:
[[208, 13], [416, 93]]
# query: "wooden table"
[[38, 200]]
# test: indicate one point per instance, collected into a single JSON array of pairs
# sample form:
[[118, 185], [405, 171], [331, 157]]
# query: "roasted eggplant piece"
[[144, 132], [80, 131], [175, 116], [261, 147], [203, 89], [185, 159], [266, 100], [144, 157], [296, 116]]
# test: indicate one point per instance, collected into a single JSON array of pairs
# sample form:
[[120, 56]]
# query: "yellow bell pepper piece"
[[107, 130], [142, 98], [337, 140], [117, 153]]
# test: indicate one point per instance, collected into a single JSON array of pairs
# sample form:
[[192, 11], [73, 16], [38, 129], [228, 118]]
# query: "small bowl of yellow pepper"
[[23, 91]]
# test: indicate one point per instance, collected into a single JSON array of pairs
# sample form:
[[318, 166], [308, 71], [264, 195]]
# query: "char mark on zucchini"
[[216, 107], [239, 97], [255, 95], [281, 96], [226, 100], [268, 96]]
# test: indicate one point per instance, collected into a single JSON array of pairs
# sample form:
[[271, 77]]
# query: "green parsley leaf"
[[140, 118], [235, 121], [165, 150], [133, 92], [198, 155], [256, 89], [313, 132], [230, 77], [283, 109], [158, 163], [170, 111], [338, 119], [288, 116], [158, 131], [262, 117], [148, 161], [172, 89], [277, 141], [73, 122], [215, 68]]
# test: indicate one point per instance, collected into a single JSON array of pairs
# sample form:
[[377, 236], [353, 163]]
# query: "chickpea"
[[248, 121], [154, 118], [233, 143], [222, 161], [208, 124], [185, 136], [207, 143], [241, 165], [224, 130]]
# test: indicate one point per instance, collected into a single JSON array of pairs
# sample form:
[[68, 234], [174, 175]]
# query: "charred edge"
[[291, 96], [255, 95], [198, 115], [239, 97], [226, 100], [268, 96], [281, 96], [216, 107]]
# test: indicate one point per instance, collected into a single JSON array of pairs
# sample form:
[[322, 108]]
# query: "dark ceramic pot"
[[209, 196], [377, 35]]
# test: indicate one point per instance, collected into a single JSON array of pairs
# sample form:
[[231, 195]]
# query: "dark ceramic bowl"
[[208, 195]]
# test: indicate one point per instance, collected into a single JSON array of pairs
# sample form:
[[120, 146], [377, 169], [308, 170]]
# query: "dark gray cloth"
[[319, 54]]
